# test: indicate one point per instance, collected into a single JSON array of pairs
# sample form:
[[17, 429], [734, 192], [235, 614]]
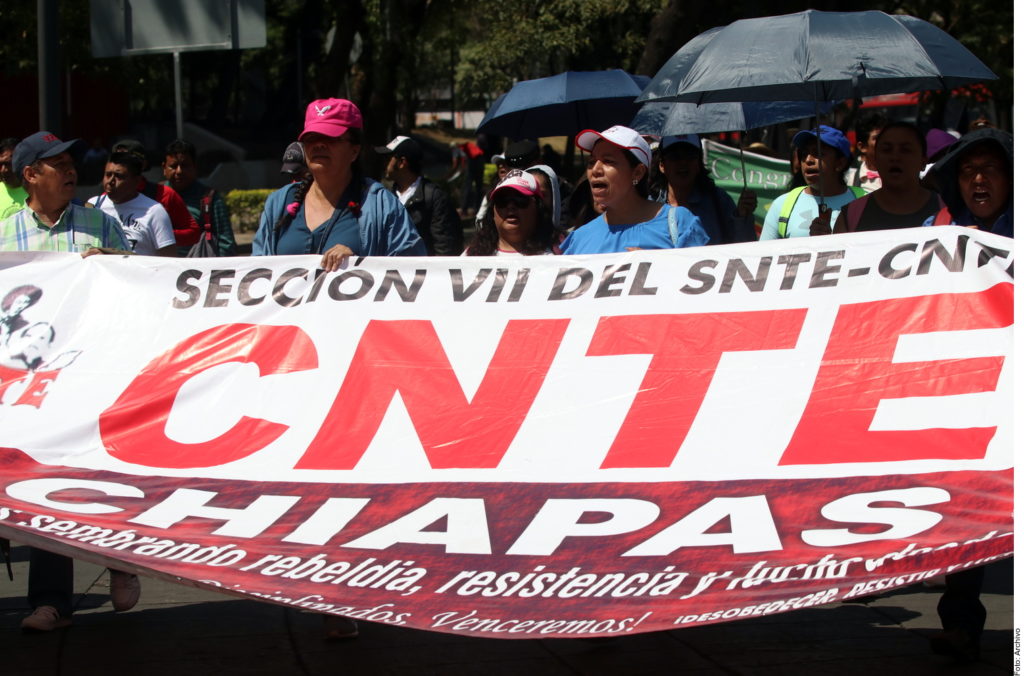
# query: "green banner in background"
[[768, 177]]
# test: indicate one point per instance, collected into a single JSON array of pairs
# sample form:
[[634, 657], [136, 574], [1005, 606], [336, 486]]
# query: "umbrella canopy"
[[815, 56], [666, 118], [564, 104]]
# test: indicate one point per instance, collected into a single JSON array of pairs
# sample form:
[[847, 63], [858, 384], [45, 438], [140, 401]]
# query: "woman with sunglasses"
[[335, 211], [518, 222]]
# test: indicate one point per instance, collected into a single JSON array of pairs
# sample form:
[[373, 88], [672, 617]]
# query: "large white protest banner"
[[513, 447]]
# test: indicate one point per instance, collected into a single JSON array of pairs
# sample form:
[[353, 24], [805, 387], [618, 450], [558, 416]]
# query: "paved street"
[[180, 630]]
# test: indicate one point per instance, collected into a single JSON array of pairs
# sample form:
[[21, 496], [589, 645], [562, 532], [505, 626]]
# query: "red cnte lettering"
[[132, 428], [406, 357], [685, 353], [37, 384], [857, 372], [37, 389]]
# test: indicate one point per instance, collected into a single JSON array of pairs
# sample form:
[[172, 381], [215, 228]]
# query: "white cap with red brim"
[[623, 137]]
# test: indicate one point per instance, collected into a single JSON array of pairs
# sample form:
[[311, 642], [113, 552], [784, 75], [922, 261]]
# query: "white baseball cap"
[[519, 181], [623, 137]]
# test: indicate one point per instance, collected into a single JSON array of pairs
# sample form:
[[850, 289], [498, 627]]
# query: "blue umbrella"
[[662, 118], [564, 104], [815, 56]]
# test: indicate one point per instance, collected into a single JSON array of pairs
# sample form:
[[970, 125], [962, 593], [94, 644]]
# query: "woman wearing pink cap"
[[336, 211], [618, 171], [518, 221]]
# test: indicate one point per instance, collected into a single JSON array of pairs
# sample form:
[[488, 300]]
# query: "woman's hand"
[[747, 203], [335, 256], [822, 225]]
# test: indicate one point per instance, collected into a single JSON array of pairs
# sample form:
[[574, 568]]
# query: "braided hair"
[[288, 215]]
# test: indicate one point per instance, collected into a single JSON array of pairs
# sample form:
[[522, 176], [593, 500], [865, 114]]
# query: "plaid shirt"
[[77, 229]]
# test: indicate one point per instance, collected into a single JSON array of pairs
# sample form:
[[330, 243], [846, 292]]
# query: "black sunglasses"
[[507, 197]]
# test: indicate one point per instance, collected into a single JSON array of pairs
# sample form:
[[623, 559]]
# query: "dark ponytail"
[[293, 208]]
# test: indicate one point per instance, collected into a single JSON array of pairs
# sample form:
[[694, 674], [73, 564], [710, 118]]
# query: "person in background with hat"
[[293, 163], [336, 212], [522, 154], [204, 203], [51, 222], [526, 155], [502, 168], [12, 195], [975, 180], [519, 222], [689, 184], [937, 144], [428, 205], [822, 165], [618, 171], [186, 229]]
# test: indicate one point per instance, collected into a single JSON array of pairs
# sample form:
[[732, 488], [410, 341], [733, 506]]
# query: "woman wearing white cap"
[[518, 223], [618, 170]]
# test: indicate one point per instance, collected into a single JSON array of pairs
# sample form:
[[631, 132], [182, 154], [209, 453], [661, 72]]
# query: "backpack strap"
[[788, 205], [673, 226], [854, 210], [943, 217], [206, 213]]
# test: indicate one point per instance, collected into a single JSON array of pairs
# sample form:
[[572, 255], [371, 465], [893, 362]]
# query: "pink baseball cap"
[[331, 117], [517, 180], [623, 137]]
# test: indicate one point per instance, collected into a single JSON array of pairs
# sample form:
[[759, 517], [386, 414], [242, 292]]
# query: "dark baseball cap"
[[522, 154], [402, 146], [132, 147], [39, 146], [294, 160]]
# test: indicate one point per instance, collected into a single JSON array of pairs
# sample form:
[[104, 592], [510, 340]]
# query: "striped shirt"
[[77, 229]]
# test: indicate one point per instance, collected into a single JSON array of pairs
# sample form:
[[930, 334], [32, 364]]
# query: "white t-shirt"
[[145, 222]]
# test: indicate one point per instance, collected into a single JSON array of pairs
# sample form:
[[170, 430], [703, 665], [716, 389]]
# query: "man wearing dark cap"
[[428, 205], [50, 222], [522, 154], [293, 163], [186, 229]]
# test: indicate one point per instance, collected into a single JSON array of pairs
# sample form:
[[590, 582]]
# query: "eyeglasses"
[[508, 197]]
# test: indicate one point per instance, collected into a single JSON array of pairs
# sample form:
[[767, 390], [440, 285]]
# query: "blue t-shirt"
[[599, 237]]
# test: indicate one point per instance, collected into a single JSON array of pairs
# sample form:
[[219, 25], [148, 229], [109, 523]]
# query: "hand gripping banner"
[[519, 447]]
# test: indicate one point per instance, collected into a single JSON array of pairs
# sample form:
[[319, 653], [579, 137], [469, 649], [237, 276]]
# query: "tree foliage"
[[389, 55], [525, 39]]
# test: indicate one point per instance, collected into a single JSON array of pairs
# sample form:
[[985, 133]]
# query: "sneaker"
[[44, 618], [124, 590], [337, 628]]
